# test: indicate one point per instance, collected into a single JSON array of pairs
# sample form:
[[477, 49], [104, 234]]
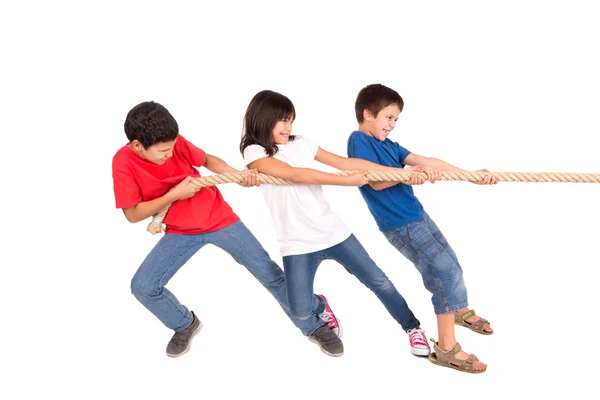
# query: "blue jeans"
[[174, 250], [423, 244], [300, 273]]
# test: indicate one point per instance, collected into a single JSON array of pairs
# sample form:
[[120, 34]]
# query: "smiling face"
[[157, 154], [282, 130], [380, 126]]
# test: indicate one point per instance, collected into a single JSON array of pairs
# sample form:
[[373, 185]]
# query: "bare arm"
[[183, 190], [279, 169], [145, 209], [216, 165], [377, 186], [433, 166], [343, 163], [430, 163]]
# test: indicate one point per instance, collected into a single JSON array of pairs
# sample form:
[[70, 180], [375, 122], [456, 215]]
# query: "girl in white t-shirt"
[[308, 231]]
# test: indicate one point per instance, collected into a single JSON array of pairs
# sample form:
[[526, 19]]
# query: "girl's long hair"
[[264, 111]]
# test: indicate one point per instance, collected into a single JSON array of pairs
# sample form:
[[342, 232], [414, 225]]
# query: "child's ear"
[[137, 145], [368, 115]]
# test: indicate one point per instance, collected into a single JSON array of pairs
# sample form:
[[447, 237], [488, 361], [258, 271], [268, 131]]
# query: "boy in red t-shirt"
[[152, 172]]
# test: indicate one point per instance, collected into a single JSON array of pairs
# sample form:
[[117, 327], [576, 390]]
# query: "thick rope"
[[380, 176]]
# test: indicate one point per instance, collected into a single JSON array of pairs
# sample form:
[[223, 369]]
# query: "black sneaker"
[[182, 341], [328, 341]]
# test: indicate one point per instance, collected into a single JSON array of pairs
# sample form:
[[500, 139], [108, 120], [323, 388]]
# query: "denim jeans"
[[423, 244], [300, 273], [174, 250]]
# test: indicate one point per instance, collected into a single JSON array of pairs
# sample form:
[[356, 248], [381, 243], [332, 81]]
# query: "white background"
[[510, 86]]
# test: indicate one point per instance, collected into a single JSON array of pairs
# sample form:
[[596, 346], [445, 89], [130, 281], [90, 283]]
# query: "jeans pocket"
[[399, 239], [394, 237]]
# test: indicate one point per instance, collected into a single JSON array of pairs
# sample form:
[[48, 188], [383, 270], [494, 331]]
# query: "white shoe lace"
[[417, 337], [327, 317]]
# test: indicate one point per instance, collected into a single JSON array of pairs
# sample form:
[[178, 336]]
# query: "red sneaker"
[[330, 319], [418, 342]]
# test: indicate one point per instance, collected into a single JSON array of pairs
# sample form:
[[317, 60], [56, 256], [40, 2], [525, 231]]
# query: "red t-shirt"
[[137, 180]]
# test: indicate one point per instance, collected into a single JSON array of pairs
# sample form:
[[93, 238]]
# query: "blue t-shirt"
[[394, 206]]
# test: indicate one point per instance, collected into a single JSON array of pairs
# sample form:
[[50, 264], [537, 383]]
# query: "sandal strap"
[[477, 326], [457, 347], [462, 317], [472, 358], [449, 357]]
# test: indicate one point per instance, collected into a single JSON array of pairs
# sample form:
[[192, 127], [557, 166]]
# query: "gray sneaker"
[[328, 341], [182, 341]]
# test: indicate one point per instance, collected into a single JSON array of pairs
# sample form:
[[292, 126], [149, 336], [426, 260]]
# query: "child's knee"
[[303, 316], [376, 280], [141, 289], [456, 290], [383, 285], [301, 311]]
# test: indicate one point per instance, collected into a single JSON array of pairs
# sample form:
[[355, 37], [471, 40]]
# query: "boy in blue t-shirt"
[[406, 225]]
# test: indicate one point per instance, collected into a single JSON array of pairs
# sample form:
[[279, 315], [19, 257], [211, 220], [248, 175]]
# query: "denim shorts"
[[423, 244]]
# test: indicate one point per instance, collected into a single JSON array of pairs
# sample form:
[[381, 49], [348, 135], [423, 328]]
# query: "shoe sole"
[[325, 351], [197, 331], [433, 359], [420, 352]]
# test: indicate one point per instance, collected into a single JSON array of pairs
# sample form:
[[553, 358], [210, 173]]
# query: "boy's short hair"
[[150, 123], [374, 98]]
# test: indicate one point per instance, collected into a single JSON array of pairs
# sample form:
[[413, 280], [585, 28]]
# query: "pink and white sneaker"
[[418, 342], [330, 319]]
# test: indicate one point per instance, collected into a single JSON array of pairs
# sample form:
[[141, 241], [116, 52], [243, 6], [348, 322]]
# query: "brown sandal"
[[477, 326], [448, 359]]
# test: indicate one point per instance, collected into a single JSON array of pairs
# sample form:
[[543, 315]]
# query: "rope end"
[[155, 226]]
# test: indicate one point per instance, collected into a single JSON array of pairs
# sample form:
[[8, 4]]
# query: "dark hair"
[[150, 123], [264, 111], [374, 98]]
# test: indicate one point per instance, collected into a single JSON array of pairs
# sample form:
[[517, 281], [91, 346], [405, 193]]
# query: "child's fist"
[[184, 189], [358, 178], [250, 178], [489, 179]]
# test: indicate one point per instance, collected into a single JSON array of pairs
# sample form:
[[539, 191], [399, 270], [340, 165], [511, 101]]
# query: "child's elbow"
[[130, 216], [294, 177]]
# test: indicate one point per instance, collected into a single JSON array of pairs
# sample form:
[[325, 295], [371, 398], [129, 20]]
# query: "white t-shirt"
[[303, 220]]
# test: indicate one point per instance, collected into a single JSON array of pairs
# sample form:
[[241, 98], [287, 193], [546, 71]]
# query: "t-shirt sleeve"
[[127, 191], [190, 152], [312, 146], [252, 153], [359, 148], [402, 153]]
